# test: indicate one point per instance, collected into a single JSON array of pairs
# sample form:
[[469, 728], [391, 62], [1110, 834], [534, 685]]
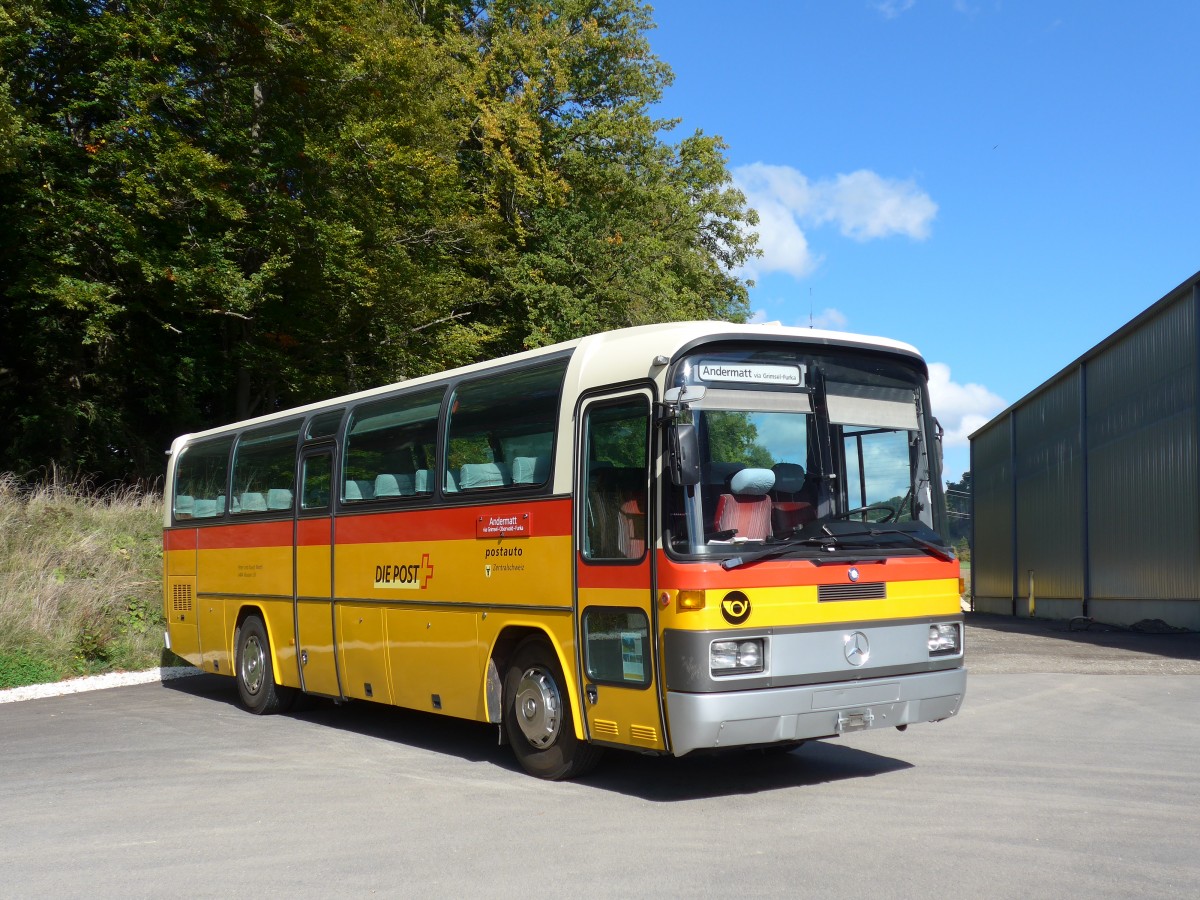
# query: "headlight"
[[736, 657], [945, 639]]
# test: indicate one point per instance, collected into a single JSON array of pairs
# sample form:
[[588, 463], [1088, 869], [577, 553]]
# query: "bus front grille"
[[867, 590]]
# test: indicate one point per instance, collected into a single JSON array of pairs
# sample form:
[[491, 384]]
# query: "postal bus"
[[663, 538]]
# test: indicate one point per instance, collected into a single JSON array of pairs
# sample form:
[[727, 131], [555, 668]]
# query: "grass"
[[80, 580]]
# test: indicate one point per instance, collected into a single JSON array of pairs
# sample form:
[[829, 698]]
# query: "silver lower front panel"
[[768, 715]]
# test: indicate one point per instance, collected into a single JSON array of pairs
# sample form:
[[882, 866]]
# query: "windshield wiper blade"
[[825, 543], [831, 541], [928, 546]]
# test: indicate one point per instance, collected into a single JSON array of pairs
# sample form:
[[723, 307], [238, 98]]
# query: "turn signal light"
[[689, 600]]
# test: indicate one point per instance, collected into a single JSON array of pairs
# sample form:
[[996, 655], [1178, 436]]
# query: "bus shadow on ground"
[[700, 776], [662, 779]]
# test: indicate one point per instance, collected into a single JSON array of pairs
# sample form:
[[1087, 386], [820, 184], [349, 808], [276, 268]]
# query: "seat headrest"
[[789, 477], [752, 482]]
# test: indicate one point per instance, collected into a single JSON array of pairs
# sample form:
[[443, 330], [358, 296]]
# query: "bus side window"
[[318, 475], [388, 447], [264, 469], [501, 430]]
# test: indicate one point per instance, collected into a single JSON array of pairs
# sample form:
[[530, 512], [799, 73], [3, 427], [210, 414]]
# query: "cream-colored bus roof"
[[625, 354]]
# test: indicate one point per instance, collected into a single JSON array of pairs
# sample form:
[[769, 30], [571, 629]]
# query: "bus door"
[[313, 600], [614, 572]]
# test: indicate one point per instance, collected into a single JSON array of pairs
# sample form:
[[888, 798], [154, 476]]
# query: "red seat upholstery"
[[746, 509], [631, 538], [748, 516]]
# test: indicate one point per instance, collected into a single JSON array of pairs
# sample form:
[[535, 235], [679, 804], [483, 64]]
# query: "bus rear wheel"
[[537, 716], [255, 675]]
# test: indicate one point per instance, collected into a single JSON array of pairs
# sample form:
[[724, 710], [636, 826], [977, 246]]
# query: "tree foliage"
[[213, 209]]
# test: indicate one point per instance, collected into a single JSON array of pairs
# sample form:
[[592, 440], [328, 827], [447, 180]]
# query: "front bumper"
[[768, 715]]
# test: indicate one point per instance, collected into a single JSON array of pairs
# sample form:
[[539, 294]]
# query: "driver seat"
[[793, 501]]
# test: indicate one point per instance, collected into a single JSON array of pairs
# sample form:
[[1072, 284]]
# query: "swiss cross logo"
[[426, 570]]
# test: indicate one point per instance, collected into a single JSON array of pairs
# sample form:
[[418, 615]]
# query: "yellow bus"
[[663, 539]]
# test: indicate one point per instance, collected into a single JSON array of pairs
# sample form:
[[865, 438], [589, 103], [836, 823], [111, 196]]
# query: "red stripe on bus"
[[614, 576], [547, 518], [314, 532], [787, 572], [180, 539], [247, 535]]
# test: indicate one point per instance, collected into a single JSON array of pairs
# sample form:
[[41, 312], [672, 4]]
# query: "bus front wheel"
[[537, 715], [255, 675]]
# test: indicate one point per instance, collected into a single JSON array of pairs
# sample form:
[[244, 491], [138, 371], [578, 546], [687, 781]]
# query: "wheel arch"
[[511, 636], [244, 612]]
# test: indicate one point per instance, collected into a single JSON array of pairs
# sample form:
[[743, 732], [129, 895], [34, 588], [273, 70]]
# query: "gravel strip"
[[95, 683]]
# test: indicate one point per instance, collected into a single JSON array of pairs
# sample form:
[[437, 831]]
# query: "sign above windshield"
[[750, 373]]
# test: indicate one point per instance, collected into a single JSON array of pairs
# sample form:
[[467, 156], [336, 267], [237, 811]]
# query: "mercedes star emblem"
[[858, 648]]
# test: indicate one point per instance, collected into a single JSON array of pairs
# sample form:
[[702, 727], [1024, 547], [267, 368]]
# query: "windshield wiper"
[[825, 543], [831, 541], [928, 546]]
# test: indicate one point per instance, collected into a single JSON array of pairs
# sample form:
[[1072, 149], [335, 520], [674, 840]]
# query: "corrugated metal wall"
[[991, 485], [1106, 464], [1049, 470], [1142, 484]]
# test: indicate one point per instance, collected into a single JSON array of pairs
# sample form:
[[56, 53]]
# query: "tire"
[[255, 675], [537, 715]]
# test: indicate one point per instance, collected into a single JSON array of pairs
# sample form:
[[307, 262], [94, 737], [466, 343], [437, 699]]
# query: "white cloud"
[[863, 205], [961, 408], [893, 8], [784, 246]]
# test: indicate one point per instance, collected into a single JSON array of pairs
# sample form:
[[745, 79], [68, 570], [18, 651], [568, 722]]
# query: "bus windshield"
[[786, 441]]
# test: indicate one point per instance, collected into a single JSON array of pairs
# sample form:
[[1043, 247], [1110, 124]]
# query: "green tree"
[[733, 438], [213, 210]]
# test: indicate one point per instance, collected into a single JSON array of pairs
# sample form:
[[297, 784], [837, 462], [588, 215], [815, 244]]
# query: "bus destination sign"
[[751, 373]]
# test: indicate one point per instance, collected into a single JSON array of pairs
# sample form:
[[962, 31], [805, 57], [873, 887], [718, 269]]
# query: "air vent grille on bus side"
[[644, 734], [605, 728], [181, 597], [867, 590]]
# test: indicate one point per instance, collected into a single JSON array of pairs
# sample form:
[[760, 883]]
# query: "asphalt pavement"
[[1009, 645], [1071, 772]]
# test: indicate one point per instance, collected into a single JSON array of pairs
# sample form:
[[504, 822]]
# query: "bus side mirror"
[[685, 455]]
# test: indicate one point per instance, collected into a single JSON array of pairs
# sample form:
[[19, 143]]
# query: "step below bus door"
[[613, 573], [313, 601]]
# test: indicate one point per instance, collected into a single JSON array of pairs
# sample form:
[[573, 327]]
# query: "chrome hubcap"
[[539, 707], [254, 663]]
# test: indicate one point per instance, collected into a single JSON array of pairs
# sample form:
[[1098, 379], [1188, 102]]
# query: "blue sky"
[[1002, 184]]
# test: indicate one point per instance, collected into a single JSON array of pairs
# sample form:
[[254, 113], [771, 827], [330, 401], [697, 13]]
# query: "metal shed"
[[1087, 490]]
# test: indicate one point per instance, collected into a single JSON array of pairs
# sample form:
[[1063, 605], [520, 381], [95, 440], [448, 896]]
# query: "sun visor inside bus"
[[755, 401], [878, 407]]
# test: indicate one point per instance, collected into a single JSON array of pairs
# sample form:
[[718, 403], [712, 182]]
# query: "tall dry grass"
[[80, 579]]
